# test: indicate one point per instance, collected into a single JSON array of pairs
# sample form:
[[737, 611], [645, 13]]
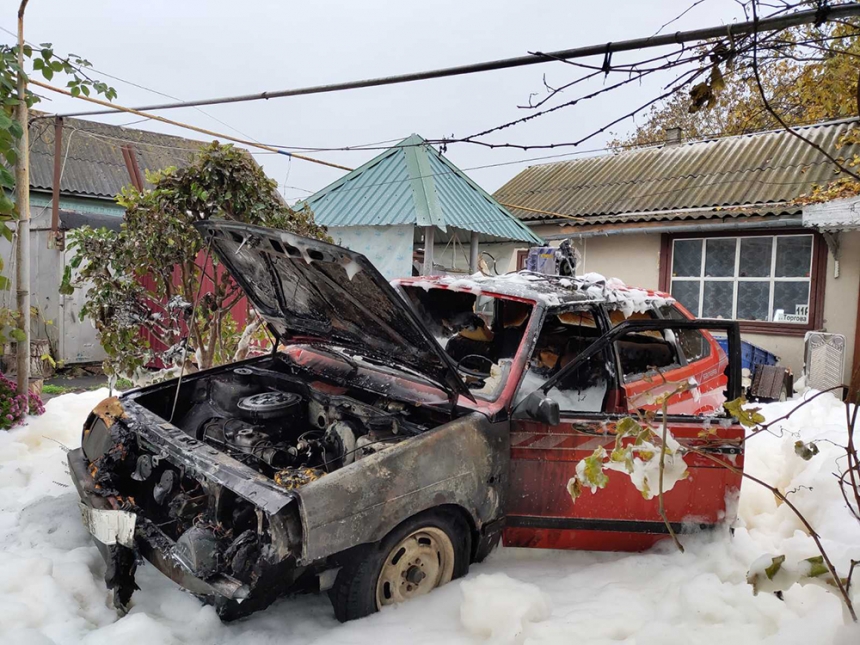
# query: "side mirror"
[[542, 408]]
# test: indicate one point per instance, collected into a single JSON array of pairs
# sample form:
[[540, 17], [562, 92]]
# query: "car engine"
[[287, 428]]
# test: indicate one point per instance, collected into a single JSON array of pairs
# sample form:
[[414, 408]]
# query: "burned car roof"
[[550, 290]]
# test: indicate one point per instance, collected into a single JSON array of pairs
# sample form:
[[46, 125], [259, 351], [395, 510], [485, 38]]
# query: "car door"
[[544, 456]]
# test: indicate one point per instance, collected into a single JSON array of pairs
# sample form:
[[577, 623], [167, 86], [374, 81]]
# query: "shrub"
[[14, 407]]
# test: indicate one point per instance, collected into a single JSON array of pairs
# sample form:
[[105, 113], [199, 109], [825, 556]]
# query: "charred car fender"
[[462, 463]]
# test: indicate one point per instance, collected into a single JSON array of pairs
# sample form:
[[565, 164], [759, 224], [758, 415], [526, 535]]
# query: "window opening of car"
[[654, 363], [481, 333], [564, 336], [693, 343], [644, 353]]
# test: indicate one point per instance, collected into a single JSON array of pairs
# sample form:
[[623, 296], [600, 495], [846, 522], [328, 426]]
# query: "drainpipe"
[[473, 253], [55, 193]]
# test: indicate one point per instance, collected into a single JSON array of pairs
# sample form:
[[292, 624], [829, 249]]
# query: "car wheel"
[[425, 552]]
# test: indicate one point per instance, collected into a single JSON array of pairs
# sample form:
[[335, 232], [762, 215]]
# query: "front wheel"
[[425, 552]]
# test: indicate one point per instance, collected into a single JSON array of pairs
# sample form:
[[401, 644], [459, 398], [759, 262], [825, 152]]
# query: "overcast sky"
[[203, 48]]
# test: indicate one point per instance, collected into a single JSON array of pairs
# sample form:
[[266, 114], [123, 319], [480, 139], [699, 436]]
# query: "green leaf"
[[16, 130], [6, 232], [6, 178], [5, 122], [66, 288], [17, 334], [593, 472], [776, 565], [5, 283], [48, 73], [747, 417], [805, 451], [7, 207], [816, 566]]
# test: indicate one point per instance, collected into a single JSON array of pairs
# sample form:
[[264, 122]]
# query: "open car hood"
[[312, 291]]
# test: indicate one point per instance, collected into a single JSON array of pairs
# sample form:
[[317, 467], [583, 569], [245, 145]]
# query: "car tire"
[[424, 552]]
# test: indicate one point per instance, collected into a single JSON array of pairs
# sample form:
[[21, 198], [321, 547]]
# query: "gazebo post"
[[428, 250], [473, 253]]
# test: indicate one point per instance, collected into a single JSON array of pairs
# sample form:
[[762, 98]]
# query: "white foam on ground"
[[51, 588]]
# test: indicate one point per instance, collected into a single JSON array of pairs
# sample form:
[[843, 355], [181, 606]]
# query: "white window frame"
[[735, 279]]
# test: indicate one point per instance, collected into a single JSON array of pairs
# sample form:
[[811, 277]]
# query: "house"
[[717, 223], [411, 211], [93, 162]]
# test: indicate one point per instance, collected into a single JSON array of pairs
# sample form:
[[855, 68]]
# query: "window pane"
[[753, 300], [687, 259], [718, 299], [755, 258], [687, 293], [793, 256], [720, 258], [791, 302], [693, 344]]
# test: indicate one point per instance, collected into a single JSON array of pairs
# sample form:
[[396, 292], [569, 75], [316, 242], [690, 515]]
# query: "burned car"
[[398, 432]]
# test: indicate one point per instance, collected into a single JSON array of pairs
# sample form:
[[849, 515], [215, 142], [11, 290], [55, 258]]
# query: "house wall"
[[840, 308], [389, 248], [72, 340], [635, 259]]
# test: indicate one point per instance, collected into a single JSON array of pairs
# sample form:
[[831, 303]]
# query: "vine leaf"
[[747, 417], [805, 451]]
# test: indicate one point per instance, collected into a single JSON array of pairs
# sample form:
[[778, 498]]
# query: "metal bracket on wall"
[[832, 240]]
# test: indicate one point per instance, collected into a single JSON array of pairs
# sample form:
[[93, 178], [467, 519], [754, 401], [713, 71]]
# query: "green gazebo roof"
[[412, 183]]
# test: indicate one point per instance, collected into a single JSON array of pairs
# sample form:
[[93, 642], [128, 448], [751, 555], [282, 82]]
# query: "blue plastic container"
[[751, 355]]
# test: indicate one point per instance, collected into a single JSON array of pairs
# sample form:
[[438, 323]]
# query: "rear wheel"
[[425, 552]]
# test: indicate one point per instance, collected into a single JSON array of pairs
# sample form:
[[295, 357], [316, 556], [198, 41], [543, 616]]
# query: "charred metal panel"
[[464, 463]]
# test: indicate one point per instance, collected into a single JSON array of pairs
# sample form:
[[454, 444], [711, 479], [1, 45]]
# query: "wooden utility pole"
[[22, 190]]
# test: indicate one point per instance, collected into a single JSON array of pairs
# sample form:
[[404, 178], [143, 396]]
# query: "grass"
[[49, 388]]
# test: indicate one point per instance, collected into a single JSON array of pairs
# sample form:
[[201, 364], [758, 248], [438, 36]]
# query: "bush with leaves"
[[147, 277]]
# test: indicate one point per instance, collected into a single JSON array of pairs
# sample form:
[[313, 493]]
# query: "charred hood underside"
[[310, 290]]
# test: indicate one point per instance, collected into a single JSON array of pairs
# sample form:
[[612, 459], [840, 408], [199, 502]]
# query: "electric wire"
[[769, 23]]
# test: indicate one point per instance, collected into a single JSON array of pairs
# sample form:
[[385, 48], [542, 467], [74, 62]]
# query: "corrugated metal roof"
[[687, 181], [414, 184], [93, 159]]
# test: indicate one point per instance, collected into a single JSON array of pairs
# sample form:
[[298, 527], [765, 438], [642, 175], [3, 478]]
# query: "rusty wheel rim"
[[419, 563]]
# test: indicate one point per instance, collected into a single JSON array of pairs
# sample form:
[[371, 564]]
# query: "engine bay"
[[272, 417]]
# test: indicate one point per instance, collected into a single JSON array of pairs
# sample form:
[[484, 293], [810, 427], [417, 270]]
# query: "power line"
[[825, 12], [155, 117]]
